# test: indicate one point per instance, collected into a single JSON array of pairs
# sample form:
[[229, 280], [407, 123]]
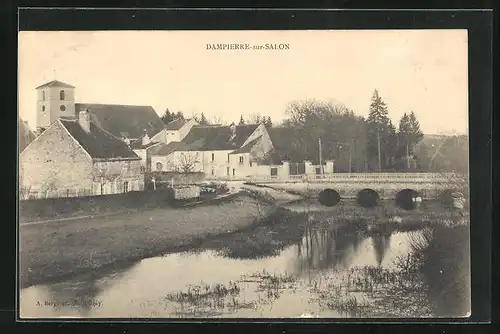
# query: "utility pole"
[[350, 156], [378, 147], [320, 156], [407, 155]]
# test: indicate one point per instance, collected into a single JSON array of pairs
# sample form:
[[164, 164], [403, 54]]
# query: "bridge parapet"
[[380, 177]]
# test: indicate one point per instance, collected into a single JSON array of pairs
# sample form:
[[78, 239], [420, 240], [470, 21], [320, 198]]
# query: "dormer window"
[[61, 95]]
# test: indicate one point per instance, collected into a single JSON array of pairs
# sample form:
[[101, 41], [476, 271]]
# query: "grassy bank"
[[74, 207], [54, 251]]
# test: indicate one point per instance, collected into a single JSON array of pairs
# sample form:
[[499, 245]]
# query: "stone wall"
[[177, 178]]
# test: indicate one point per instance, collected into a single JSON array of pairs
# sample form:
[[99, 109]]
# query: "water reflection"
[[322, 248], [272, 270], [381, 243]]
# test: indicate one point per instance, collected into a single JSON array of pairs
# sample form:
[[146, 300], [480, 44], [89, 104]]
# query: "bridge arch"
[[367, 198], [329, 197], [408, 199]]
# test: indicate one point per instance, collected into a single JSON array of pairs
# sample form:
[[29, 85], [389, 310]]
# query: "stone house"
[[75, 157], [218, 151]]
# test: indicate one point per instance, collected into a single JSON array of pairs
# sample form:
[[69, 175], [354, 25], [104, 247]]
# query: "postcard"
[[243, 174]]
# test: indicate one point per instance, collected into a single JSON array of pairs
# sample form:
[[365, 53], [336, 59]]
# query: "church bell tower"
[[55, 99]]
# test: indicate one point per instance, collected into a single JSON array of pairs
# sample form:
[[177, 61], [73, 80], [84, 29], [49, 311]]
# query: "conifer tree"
[[167, 116], [203, 119], [179, 115], [268, 123], [381, 134], [416, 133]]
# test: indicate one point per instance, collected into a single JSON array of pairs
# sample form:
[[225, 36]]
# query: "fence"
[[47, 208], [25, 194]]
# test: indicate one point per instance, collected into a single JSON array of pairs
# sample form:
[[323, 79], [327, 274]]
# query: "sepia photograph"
[[243, 174]]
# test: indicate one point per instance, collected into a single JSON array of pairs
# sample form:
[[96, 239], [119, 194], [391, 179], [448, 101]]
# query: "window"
[[159, 166], [43, 108], [227, 171], [213, 172], [102, 188], [234, 171], [250, 164], [62, 107], [241, 160], [61, 95], [125, 186], [213, 157], [143, 169], [228, 161], [43, 95]]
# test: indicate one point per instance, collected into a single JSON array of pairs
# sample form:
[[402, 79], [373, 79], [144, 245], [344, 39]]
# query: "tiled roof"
[[248, 147], [166, 149], [123, 119], [55, 83], [137, 144], [98, 143], [176, 124], [217, 137]]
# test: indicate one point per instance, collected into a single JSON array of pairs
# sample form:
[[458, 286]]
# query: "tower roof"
[[55, 83]]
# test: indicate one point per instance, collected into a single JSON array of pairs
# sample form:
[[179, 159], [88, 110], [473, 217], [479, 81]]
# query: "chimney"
[[232, 127], [145, 138], [84, 120]]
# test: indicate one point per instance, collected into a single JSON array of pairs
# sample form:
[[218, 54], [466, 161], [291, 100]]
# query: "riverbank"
[[60, 209], [57, 250], [268, 221]]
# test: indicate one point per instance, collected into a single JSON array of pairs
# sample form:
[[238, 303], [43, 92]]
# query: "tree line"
[[169, 116], [318, 130]]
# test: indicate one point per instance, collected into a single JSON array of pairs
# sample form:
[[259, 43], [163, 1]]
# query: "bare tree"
[[50, 185], [254, 118], [187, 162], [217, 120], [24, 191]]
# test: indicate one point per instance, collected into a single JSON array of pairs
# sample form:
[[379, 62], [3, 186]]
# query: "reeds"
[[205, 294]]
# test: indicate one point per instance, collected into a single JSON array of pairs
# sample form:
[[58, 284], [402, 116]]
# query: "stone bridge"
[[381, 185]]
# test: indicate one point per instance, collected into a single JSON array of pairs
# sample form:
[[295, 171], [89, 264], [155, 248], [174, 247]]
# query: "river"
[[302, 264]]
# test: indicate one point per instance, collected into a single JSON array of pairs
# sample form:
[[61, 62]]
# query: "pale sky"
[[420, 70]]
